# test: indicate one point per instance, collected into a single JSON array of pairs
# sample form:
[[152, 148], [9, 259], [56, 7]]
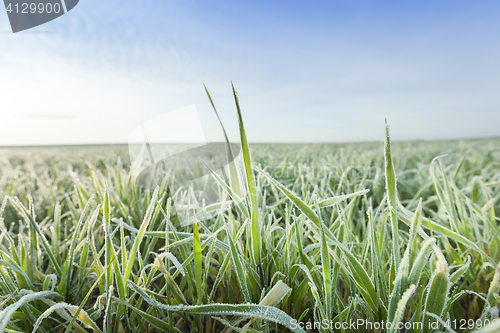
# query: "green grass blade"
[[60, 309], [236, 198], [108, 243], [233, 173], [437, 293], [398, 316], [155, 321], [405, 216], [335, 200], [327, 273], [240, 273], [256, 247], [68, 265], [421, 260], [391, 189], [82, 304], [20, 207], [247, 310], [358, 273], [7, 313], [140, 236], [460, 272], [402, 277], [301, 205]]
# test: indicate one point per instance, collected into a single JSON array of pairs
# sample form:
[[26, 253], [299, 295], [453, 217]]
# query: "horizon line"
[[259, 142]]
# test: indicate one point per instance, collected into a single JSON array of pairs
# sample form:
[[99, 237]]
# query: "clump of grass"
[[327, 232]]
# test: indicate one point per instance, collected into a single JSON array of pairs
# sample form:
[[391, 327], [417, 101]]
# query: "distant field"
[[307, 244]]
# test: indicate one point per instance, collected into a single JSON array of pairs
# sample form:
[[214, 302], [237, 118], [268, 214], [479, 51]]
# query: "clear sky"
[[305, 71]]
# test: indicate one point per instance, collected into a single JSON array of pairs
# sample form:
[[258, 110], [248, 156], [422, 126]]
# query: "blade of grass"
[[390, 184], [247, 310], [240, 273], [250, 178], [358, 273], [197, 264], [140, 236], [7, 313], [20, 207], [235, 183]]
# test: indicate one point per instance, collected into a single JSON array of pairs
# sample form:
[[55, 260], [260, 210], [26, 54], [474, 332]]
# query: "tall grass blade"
[[197, 264], [391, 189], [240, 272], [235, 182], [140, 235], [250, 178]]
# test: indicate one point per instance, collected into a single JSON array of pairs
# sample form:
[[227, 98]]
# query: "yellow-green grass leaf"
[[197, 264]]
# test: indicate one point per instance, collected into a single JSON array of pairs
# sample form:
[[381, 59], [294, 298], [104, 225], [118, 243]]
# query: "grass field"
[[328, 233]]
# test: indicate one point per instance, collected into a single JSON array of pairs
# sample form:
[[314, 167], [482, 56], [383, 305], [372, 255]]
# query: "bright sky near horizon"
[[305, 71]]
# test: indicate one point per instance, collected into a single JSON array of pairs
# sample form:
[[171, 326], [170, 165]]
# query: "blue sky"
[[313, 71]]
